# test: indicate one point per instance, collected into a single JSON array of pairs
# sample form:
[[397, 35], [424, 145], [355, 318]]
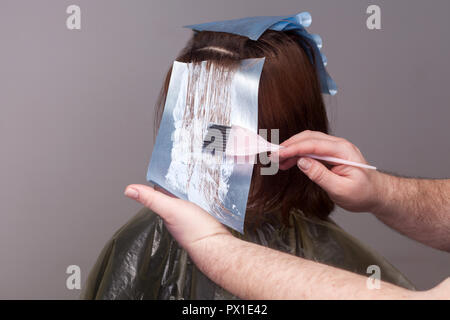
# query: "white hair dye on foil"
[[199, 94], [190, 169]]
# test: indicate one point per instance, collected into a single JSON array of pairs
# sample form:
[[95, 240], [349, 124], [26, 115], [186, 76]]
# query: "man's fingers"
[[308, 134], [318, 173], [288, 163], [187, 222], [162, 204], [168, 207], [318, 147]]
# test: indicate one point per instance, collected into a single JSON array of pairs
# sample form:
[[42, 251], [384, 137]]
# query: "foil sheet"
[[178, 164]]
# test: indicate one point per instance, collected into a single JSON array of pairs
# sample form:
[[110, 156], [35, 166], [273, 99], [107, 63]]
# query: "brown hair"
[[289, 99]]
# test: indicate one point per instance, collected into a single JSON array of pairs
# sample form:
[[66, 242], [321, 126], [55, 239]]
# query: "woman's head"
[[289, 100]]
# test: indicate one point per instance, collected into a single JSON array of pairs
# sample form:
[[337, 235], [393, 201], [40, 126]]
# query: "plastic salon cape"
[[143, 261]]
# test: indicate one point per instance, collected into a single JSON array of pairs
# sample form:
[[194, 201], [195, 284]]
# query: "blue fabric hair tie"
[[254, 27]]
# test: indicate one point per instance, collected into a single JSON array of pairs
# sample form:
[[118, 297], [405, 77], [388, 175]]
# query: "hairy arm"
[[251, 271], [418, 208]]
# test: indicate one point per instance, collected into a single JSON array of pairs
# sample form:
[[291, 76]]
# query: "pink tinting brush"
[[240, 142]]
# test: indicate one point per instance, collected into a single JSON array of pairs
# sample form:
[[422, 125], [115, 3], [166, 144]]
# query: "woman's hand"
[[190, 225], [351, 188]]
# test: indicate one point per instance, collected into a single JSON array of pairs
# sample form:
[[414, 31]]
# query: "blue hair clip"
[[254, 27]]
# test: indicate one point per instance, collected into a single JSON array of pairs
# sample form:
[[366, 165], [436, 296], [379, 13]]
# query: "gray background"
[[76, 112]]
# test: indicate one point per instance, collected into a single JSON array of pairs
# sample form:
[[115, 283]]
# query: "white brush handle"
[[341, 161]]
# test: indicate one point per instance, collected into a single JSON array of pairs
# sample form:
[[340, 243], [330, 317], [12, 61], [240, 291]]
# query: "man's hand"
[[251, 271], [351, 188], [418, 208], [190, 225]]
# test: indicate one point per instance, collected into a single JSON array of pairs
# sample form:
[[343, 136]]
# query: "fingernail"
[[131, 193], [304, 164]]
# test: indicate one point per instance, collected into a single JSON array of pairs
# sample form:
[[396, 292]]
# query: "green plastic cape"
[[143, 261]]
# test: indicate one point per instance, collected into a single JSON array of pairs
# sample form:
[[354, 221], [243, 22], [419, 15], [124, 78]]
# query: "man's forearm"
[[251, 271], [418, 208], [255, 272]]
